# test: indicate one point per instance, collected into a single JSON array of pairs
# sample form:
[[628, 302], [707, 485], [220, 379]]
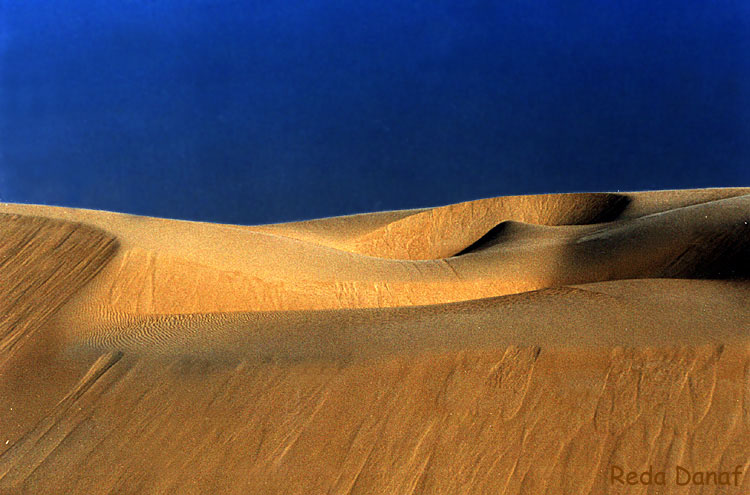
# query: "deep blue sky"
[[262, 111]]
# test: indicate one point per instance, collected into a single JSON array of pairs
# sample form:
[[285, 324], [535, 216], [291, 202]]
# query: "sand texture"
[[511, 345]]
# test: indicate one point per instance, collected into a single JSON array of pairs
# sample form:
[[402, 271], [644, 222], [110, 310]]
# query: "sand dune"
[[529, 344]]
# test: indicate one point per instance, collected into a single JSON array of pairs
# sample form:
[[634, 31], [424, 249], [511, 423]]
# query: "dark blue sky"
[[263, 111]]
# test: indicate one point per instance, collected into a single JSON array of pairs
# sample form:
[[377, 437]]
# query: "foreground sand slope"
[[531, 344]]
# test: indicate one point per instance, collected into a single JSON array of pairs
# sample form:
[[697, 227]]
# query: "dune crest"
[[520, 344]]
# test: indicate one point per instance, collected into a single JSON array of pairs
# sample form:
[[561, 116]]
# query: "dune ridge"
[[507, 345]]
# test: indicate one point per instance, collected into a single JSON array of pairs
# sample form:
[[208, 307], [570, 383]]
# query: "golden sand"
[[529, 344]]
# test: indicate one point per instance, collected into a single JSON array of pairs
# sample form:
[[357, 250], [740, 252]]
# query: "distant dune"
[[513, 345]]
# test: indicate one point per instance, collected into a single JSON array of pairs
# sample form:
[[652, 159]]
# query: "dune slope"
[[529, 344]]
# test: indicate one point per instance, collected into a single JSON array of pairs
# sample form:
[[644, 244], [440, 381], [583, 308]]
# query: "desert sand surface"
[[510, 345]]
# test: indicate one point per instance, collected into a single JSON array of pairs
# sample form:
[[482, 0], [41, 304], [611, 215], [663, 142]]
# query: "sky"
[[266, 111]]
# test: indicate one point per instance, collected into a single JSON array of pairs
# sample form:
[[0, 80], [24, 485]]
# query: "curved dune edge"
[[509, 345], [658, 313]]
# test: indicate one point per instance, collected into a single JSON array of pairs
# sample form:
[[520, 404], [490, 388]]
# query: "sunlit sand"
[[507, 345]]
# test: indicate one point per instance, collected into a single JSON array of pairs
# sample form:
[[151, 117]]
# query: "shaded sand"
[[507, 345]]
